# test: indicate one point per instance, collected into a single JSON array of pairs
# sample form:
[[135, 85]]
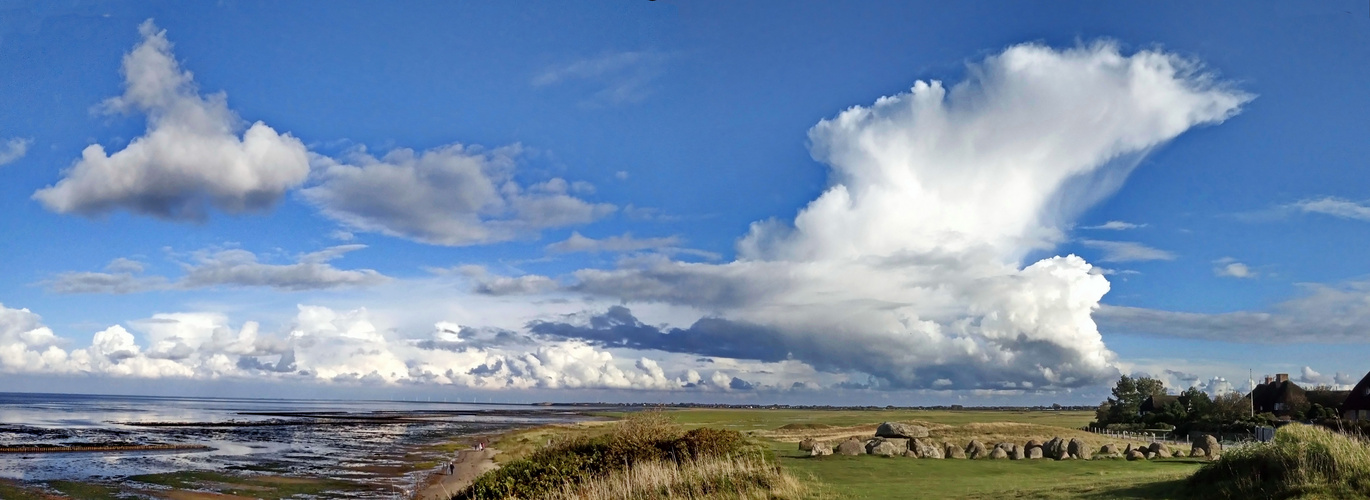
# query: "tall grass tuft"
[[707, 478], [1302, 461]]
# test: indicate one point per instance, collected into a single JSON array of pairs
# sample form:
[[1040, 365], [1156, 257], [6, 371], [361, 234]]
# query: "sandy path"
[[470, 464]]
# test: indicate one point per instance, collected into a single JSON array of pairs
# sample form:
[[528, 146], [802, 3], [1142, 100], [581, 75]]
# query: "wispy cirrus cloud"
[[1127, 251], [612, 78], [224, 268], [1336, 207], [1116, 225]]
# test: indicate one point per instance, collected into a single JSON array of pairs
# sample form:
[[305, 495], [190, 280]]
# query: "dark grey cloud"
[[708, 336], [829, 351], [738, 384], [284, 364]]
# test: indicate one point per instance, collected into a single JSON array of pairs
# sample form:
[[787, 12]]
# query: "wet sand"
[[470, 465]]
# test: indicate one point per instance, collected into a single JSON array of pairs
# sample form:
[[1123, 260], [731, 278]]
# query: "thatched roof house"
[[1157, 403], [1357, 404], [1281, 396]]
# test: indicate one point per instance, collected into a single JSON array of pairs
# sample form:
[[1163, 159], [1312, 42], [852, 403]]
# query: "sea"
[[368, 441]]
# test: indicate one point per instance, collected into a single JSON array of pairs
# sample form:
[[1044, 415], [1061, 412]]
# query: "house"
[[1357, 404], [1157, 403], [1281, 396]]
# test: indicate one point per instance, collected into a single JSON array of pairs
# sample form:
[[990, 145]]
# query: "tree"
[[1196, 402], [1128, 395]]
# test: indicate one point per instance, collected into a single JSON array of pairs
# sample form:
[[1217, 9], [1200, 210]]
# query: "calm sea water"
[[357, 440]]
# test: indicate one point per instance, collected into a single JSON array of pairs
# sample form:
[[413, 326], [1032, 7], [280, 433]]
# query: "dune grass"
[[645, 455], [730, 478], [1302, 462]]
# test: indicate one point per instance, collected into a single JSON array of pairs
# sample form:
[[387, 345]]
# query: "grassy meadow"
[[878, 477]]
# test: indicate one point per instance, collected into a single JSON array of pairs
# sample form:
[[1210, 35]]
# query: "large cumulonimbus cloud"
[[908, 267], [192, 157]]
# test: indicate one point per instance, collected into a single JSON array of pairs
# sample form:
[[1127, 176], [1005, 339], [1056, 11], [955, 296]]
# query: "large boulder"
[[1033, 443], [976, 449], [1076, 448], [998, 453], [1135, 455], [923, 448], [1197, 452], [1034, 452], [1209, 445], [1017, 453], [851, 447], [807, 444], [1109, 449], [1158, 450], [884, 448], [901, 430], [952, 451], [820, 449], [1054, 448]]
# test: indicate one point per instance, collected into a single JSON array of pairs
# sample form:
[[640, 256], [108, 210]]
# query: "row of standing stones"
[[896, 439]]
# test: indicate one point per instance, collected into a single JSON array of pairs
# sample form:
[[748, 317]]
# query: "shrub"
[[646, 439], [1301, 461]]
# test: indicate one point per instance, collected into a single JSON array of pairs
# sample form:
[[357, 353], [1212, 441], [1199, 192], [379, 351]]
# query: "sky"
[[772, 202]]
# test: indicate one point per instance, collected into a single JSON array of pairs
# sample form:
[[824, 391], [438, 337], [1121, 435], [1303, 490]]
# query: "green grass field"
[[872, 477]]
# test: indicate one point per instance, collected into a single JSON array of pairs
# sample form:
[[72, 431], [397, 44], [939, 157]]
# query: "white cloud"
[[1309, 376], [624, 243], [190, 159], [217, 268], [1116, 225], [310, 272], [621, 175], [1324, 314], [614, 78], [908, 267], [13, 149], [1335, 207], [452, 195], [1230, 268], [1127, 251]]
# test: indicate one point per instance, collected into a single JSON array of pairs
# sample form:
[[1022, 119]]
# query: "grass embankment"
[[1302, 462], [644, 456]]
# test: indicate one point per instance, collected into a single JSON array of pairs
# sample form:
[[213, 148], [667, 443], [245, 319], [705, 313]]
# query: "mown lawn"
[[877, 477]]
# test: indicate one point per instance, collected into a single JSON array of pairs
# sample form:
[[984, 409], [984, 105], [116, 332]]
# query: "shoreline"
[[469, 465]]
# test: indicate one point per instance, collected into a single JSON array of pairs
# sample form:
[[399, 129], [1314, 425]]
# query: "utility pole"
[[1251, 382]]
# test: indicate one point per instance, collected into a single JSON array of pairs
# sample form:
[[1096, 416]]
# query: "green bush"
[[645, 437], [1302, 461]]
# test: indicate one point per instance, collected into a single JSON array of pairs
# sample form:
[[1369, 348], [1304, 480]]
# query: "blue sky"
[[569, 201]]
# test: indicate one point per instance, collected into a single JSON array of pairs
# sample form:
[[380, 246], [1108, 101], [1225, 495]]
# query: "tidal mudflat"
[[352, 449]]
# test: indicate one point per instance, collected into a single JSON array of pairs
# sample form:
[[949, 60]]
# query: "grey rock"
[[851, 447], [901, 430]]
